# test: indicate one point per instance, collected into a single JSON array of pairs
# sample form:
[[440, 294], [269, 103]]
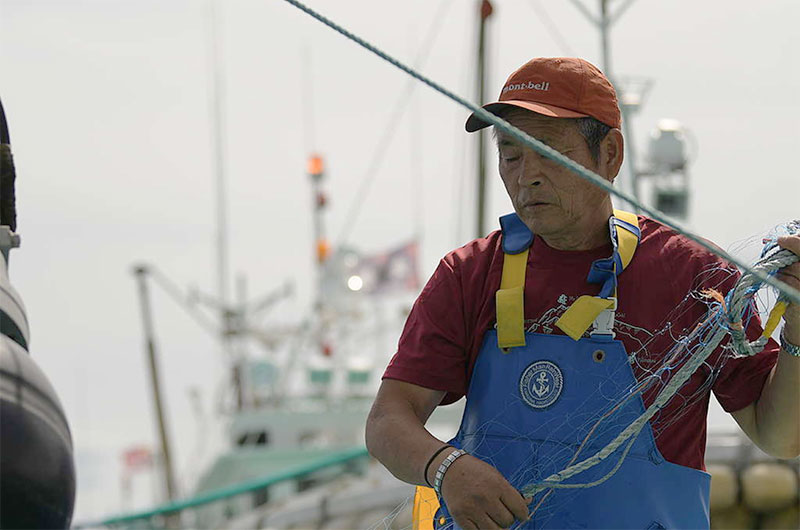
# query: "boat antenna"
[[308, 100]]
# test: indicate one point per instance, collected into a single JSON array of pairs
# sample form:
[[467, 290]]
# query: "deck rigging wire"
[[552, 154], [359, 198]]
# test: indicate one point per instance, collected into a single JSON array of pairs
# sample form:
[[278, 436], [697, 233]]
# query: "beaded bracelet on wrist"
[[791, 349], [443, 467]]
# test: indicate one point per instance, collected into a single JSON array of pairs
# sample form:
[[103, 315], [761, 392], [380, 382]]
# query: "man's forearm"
[[778, 408], [396, 436]]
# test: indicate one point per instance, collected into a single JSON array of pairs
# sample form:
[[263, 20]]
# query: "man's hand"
[[479, 497], [791, 276]]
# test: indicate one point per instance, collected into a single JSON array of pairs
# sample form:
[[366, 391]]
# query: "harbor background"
[[108, 106]]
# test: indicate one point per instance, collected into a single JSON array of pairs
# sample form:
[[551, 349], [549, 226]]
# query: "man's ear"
[[612, 152]]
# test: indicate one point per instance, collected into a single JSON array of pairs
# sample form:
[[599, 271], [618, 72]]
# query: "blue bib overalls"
[[529, 408]]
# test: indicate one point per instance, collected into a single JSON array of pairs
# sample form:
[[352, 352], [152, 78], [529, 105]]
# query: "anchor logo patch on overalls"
[[540, 384]]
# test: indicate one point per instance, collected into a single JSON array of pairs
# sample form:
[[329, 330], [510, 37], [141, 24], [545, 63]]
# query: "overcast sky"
[[108, 107]]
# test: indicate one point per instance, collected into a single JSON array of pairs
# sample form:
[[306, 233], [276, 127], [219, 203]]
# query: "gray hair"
[[592, 130]]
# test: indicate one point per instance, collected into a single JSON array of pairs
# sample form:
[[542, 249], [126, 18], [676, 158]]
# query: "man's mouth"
[[535, 204]]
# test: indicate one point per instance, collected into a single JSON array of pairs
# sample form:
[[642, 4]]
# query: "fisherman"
[[545, 324]]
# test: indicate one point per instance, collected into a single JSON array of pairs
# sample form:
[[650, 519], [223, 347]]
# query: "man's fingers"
[[790, 243], [501, 516], [480, 524], [789, 278], [468, 524], [477, 493], [790, 274], [487, 523], [517, 505]]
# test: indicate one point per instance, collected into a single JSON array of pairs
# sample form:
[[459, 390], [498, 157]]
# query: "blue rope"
[[554, 155]]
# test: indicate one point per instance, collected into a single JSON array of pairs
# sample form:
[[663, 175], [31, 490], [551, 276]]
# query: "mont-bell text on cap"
[[560, 87]]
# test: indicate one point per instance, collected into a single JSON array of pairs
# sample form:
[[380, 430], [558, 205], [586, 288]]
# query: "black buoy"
[[37, 474]]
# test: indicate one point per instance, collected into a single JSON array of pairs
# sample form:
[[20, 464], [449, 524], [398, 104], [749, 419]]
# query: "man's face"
[[551, 200]]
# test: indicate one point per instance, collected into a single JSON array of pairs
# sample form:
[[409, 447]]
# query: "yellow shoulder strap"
[[626, 240], [509, 300], [580, 315]]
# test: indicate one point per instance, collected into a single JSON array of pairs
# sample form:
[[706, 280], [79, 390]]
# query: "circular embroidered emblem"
[[540, 384]]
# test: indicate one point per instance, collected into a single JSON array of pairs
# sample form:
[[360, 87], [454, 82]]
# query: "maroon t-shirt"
[[658, 302]]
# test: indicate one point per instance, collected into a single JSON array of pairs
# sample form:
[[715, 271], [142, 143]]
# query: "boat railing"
[[169, 514]]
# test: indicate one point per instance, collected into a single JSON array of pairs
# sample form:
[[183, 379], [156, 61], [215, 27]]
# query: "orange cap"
[[560, 87]]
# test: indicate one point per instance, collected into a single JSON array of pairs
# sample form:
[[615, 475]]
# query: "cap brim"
[[474, 123]]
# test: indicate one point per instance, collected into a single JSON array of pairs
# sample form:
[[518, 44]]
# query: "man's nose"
[[532, 173]]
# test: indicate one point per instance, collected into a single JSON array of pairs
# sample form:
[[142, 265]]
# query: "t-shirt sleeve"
[[432, 349], [739, 380]]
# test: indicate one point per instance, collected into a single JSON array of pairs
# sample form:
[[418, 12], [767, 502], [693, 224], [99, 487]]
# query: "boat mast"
[[485, 11], [228, 328], [322, 249], [140, 271]]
